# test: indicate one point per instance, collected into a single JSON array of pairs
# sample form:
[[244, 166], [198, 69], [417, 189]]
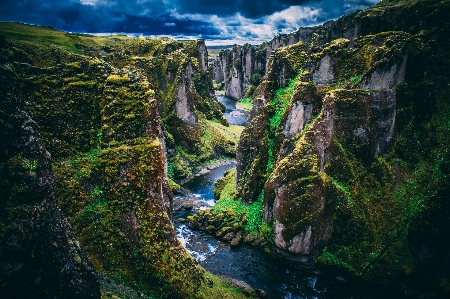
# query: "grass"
[[119, 80], [250, 215], [216, 288], [41, 42], [39, 35], [232, 130], [245, 103], [279, 105], [281, 101]]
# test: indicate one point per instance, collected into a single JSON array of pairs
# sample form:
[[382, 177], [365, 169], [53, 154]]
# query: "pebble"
[[228, 237], [249, 239], [257, 242], [187, 205], [236, 240]]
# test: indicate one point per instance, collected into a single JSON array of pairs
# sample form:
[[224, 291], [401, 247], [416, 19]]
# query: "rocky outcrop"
[[324, 73], [352, 26], [40, 255], [297, 118], [254, 153], [108, 121], [385, 77], [365, 126], [184, 101], [202, 55], [341, 139], [235, 68], [235, 71]]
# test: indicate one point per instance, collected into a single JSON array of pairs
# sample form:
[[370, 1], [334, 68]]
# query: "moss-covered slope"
[[347, 143], [40, 255], [109, 110], [62, 68]]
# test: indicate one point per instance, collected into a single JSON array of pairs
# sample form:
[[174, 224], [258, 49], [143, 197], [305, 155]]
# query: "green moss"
[[277, 108], [116, 247], [217, 289], [248, 217], [178, 167], [245, 103], [329, 259], [117, 79]]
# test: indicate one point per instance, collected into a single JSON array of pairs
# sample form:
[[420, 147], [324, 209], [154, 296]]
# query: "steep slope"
[[347, 145], [40, 256], [173, 70], [236, 68], [109, 110]]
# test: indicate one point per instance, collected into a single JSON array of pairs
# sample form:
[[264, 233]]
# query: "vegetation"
[[245, 103], [346, 161], [107, 112], [249, 216], [231, 215], [344, 167]]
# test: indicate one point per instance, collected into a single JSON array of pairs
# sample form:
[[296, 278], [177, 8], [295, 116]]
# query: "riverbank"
[[208, 167], [259, 273], [245, 104]]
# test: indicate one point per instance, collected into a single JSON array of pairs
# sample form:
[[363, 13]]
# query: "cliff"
[[236, 67], [109, 110], [173, 70], [346, 146], [40, 255]]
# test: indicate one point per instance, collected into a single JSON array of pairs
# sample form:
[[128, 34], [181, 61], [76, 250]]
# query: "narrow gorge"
[[314, 165]]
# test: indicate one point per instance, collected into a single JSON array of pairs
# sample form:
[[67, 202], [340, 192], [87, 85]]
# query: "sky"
[[216, 21]]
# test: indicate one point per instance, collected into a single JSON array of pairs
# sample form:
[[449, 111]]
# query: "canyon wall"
[[235, 68], [119, 119], [346, 145], [40, 255]]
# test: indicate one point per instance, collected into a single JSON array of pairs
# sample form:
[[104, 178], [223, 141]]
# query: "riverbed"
[[233, 114], [276, 277]]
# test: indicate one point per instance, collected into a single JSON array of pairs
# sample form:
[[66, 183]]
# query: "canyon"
[[342, 166]]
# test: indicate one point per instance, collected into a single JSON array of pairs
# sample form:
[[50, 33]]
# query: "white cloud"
[[89, 2], [296, 16], [238, 29]]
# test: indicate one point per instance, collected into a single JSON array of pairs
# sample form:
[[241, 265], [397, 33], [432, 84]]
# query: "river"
[[278, 278], [233, 114]]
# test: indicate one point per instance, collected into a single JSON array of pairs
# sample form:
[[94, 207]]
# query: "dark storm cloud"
[[333, 9], [247, 8], [213, 18], [121, 16], [164, 25], [66, 15]]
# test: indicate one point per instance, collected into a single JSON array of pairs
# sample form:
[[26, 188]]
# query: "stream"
[[233, 114], [278, 278]]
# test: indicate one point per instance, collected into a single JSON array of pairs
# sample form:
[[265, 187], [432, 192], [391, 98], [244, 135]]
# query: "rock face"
[[235, 68], [344, 132], [108, 117], [202, 55], [40, 255], [184, 102], [299, 115]]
